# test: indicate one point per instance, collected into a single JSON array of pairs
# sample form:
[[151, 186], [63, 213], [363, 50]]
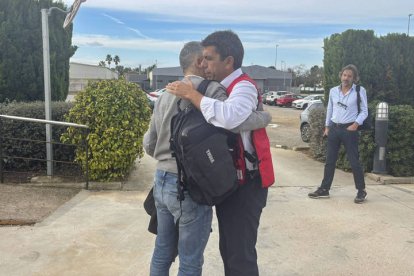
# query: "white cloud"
[[103, 41], [263, 11], [138, 32], [175, 45], [116, 20]]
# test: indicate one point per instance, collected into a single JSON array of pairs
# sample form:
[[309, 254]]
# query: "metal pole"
[[87, 157], [284, 76], [155, 76], [277, 45], [46, 73], [408, 30]]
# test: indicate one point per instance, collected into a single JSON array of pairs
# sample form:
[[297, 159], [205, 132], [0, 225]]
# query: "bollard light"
[[381, 135], [382, 111]]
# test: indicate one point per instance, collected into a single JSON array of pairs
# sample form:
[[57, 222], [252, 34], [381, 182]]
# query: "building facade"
[[267, 79], [80, 74]]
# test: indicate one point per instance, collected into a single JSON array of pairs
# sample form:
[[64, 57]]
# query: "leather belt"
[[341, 125]]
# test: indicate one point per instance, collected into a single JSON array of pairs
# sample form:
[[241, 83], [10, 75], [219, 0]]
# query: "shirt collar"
[[230, 78], [353, 87]]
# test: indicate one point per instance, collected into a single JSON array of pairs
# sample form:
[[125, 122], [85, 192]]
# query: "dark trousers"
[[336, 136], [238, 219]]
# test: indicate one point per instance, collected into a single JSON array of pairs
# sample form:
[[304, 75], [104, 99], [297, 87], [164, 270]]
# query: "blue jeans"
[[194, 222]]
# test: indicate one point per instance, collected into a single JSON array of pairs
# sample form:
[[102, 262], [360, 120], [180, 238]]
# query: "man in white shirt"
[[239, 214], [341, 126]]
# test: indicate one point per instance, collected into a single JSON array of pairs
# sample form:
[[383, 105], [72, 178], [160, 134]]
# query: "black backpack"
[[204, 156]]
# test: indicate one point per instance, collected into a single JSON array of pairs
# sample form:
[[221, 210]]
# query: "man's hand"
[[185, 90], [181, 89], [353, 127], [325, 132]]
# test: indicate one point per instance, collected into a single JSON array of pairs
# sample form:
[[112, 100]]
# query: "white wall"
[[80, 74]]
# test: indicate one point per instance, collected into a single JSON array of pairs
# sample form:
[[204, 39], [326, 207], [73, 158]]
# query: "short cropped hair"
[[352, 68], [189, 53], [227, 44]]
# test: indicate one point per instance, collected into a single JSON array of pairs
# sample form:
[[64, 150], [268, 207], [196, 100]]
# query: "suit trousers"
[[238, 219], [350, 139]]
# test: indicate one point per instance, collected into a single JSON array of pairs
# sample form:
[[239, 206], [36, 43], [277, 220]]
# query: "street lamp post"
[[283, 68], [277, 45], [408, 30], [46, 73]]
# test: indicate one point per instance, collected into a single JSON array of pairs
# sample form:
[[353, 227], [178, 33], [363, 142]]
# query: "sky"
[[273, 32]]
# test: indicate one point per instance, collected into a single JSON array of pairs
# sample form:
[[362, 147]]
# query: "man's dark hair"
[[189, 53], [227, 44], [354, 70]]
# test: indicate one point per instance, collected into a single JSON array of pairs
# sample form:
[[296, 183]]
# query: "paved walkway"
[[104, 233]]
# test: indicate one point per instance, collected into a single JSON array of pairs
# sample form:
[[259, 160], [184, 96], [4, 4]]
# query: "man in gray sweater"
[[194, 219]]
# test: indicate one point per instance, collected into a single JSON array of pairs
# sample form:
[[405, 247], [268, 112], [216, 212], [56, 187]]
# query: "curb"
[[389, 179], [78, 185]]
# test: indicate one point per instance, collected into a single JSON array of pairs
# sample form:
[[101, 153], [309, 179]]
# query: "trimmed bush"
[[32, 131], [400, 149], [118, 114]]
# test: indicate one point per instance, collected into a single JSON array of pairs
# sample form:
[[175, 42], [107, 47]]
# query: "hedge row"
[[13, 131]]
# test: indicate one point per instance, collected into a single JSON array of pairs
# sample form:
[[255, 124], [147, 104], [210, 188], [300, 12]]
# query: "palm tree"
[[117, 60], [109, 60], [102, 63]]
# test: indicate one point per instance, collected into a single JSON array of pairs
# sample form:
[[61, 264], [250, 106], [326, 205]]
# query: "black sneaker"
[[361, 196], [320, 192]]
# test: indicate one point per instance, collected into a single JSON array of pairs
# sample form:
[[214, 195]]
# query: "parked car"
[[287, 99], [304, 119], [303, 103], [151, 100], [264, 95], [273, 95], [158, 92], [153, 96]]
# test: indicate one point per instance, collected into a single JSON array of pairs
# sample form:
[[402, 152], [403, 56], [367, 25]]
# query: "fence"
[[3, 137]]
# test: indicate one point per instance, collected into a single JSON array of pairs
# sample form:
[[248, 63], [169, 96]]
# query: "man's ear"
[[199, 62], [229, 62]]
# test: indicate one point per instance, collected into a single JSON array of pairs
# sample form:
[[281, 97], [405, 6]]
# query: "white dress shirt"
[[343, 109], [233, 111]]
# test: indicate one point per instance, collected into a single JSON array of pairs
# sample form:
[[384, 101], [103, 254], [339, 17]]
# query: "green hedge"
[[400, 150], [118, 115], [33, 131]]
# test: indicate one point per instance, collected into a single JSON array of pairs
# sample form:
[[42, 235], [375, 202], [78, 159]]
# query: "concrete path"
[[104, 233]]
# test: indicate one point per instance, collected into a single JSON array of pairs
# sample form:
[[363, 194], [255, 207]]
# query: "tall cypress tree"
[[386, 64], [21, 52]]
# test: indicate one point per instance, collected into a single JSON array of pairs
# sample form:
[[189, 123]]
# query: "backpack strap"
[[358, 88], [202, 87]]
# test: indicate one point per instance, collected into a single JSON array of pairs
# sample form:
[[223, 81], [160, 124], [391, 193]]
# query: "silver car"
[[304, 120]]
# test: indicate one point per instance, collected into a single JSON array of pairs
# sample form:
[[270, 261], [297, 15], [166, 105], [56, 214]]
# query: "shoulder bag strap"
[[358, 88]]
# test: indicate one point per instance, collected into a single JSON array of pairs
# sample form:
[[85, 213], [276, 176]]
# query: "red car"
[[286, 100]]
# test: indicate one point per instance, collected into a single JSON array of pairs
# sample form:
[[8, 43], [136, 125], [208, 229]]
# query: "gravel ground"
[[20, 205]]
